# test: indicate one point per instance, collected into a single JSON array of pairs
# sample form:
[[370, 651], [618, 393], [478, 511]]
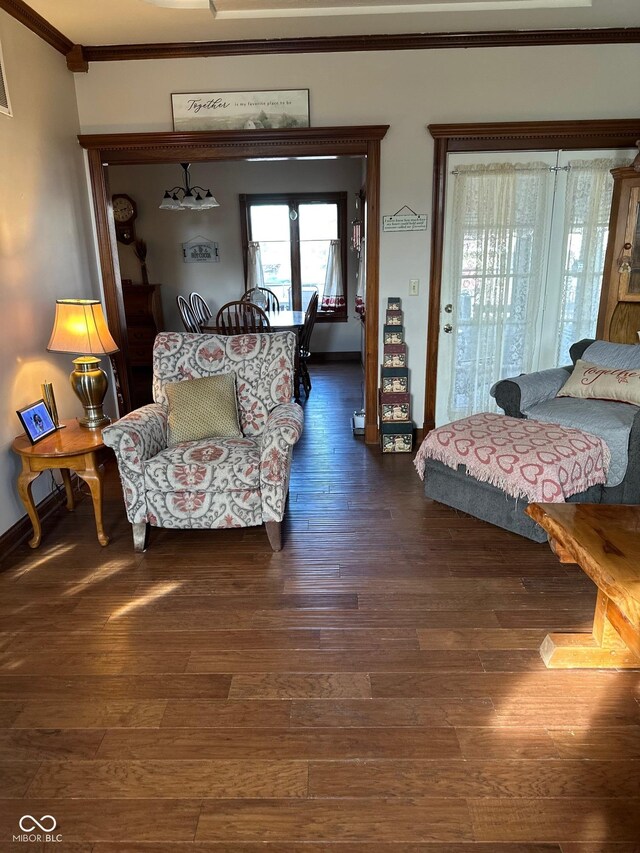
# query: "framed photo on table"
[[36, 421]]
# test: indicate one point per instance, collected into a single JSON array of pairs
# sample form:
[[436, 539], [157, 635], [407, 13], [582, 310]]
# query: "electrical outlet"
[[414, 286]]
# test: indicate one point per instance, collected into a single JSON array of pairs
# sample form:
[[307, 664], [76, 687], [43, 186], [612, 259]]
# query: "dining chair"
[[304, 351], [271, 301], [189, 319], [200, 308], [241, 318]]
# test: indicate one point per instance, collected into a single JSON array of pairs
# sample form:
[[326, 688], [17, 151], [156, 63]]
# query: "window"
[[295, 233]]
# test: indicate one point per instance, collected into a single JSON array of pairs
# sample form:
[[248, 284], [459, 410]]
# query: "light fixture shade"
[[169, 203], [209, 201], [80, 327]]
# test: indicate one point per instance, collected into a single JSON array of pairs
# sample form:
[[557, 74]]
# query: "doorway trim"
[[104, 150], [499, 136]]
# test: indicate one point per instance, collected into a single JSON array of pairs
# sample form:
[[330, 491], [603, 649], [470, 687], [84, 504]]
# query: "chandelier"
[[188, 197]]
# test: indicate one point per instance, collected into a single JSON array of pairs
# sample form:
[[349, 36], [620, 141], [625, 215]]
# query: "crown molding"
[[37, 24], [343, 44], [361, 133], [79, 56], [168, 147], [605, 133]]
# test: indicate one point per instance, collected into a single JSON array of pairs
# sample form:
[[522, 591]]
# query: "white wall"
[[164, 231], [406, 89], [46, 242]]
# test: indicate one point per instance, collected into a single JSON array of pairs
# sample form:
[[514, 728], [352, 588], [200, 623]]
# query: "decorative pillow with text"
[[594, 382]]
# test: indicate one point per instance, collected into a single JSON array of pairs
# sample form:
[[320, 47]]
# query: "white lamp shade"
[[80, 327], [169, 203]]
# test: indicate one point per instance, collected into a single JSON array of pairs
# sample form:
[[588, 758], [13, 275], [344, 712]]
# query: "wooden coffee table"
[[604, 540], [71, 449]]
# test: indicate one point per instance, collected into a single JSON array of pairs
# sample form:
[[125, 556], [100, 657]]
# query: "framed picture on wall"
[[263, 110]]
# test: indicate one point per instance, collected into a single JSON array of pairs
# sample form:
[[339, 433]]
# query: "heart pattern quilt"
[[525, 458]]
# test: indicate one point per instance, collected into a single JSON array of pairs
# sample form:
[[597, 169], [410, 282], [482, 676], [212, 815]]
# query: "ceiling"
[[101, 22]]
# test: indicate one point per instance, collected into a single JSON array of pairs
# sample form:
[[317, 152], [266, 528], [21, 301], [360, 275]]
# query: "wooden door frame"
[[499, 136], [104, 150]]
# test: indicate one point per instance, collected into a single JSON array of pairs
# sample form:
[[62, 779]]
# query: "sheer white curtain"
[[496, 263], [255, 273], [361, 289], [333, 294], [586, 228]]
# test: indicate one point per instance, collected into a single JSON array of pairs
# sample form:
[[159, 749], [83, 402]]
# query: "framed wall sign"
[[405, 219], [200, 252], [240, 110]]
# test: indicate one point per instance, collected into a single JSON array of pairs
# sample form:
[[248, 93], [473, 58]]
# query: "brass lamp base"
[[90, 384]]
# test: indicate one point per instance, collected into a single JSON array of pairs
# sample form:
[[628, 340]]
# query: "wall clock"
[[124, 215]]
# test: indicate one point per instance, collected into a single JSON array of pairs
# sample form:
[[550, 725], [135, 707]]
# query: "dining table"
[[279, 321], [286, 320]]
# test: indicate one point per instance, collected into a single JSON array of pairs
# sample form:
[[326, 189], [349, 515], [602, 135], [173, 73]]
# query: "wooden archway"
[[104, 150]]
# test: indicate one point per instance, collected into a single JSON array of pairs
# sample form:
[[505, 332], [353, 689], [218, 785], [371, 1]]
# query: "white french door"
[[525, 236]]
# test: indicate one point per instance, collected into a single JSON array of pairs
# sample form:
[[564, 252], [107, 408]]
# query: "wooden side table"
[[71, 449]]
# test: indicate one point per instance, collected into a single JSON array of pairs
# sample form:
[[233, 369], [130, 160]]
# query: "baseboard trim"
[[324, 357], [22, 529]]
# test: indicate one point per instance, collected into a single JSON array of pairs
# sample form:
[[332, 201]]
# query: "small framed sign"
[[405, 219], [241, 110], [200, 252], [36, 421]]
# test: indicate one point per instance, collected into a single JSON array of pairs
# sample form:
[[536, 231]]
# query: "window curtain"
[[586, 228], [255, 274], [497, 248], [361, 290], [333, 295]]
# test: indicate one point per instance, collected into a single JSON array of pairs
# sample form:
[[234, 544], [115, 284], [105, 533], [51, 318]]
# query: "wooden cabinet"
[[619, 318], [143, 311]]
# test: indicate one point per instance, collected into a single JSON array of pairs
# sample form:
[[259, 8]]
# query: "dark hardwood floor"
[[375, 687]]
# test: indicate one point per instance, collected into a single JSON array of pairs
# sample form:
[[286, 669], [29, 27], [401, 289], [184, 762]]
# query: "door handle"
[[448, 328]]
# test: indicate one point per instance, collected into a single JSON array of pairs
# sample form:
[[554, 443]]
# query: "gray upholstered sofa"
[[533, 396]]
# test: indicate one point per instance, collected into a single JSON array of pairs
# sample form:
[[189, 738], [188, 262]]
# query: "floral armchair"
[[216, 482]]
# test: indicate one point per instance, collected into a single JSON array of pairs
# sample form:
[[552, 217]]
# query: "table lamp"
[[80, 327]]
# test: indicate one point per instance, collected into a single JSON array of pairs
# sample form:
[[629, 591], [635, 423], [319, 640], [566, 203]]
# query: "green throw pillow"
[[203, 408]]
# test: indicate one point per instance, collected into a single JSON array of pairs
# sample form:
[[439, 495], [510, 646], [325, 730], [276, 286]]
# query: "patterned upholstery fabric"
[[263, 365], [210, 465], [220, 482], [283, 429]]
